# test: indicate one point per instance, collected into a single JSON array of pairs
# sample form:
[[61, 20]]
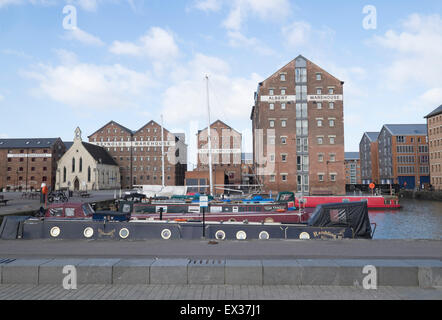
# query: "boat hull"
[[41, 229]]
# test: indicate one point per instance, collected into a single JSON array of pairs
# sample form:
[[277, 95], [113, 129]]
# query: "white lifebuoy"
[[88, 232], [264, 235], [124, 233], [220, 235], [166, 234], [55, 232], [304, 236], [241, 235]]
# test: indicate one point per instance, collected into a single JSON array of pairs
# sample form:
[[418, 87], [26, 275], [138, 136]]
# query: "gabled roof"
[[373, 136], [68, 144], [99, 154], [27, 143], [301, 56], [151, 121], [406, 129], [222, 123], [351, 155], [116, 123], [434, 112]]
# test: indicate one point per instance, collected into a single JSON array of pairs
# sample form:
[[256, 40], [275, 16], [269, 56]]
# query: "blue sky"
[[133, 60]]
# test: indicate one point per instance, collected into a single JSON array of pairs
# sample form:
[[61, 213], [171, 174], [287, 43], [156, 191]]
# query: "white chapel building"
[[85, 166]]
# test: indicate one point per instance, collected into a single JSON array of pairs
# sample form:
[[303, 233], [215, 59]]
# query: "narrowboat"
[[329, 221], [373, 202]]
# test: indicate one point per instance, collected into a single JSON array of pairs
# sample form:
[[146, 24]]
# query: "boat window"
[[70, 212], [87, 209], [56, 212]]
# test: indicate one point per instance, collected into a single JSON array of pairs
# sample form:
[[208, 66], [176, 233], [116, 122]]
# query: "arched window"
[[88, 174], [73, 164], [64, 174], [81, 165]]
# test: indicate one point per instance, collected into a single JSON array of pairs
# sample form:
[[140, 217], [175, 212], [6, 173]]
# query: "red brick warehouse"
[[27, 163], [298, 130]]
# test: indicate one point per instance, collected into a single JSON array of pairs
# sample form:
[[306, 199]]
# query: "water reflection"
[[418, 219]]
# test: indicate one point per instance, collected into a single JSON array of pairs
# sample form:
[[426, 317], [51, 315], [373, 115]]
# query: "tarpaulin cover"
[[347, 214], [10, 227]]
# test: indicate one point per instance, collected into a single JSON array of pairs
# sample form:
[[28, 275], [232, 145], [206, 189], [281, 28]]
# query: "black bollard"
[[161, 213]]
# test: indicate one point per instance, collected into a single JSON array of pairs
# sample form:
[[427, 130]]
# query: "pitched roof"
[[68, 144], [351, 155], [373, 136], [301, 56], [116, 123], [27, 143], [99, 154], [406, 129], [223, 124], [434, 112]]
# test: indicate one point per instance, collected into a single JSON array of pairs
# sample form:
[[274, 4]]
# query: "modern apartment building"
[[298, 130], [434, 123], [369, 157], [403, 155], [352, 168]]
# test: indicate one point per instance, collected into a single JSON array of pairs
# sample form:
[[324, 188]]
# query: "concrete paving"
[[203, 249], [213, 292], [305, 272]]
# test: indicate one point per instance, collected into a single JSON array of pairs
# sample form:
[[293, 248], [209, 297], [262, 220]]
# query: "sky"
[[70, 63]]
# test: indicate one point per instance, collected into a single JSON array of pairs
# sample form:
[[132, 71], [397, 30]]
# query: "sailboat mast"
[[162, 151], [208, 137]]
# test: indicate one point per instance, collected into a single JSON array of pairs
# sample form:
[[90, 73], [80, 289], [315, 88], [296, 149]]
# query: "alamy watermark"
[[70, 280], [70, 20], [370, 20], [370, 281]]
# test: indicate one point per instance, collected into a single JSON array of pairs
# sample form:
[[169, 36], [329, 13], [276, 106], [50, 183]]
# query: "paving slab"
[[169, 271], [281, 272], [52, 271], [96, 271], [429, 272], [350, 271], [396, 273], [244, 272], [206, 271], [22, 271], [132, 271], [319, 272]]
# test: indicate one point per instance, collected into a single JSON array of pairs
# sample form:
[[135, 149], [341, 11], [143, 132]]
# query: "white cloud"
[[237, 39], [297, 33], [4, 3], [83, 37], [231, 97], [88, 5], [88, 86], [1, 98], [417, 49], [208, 5], [266, 10], [157, 43]]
